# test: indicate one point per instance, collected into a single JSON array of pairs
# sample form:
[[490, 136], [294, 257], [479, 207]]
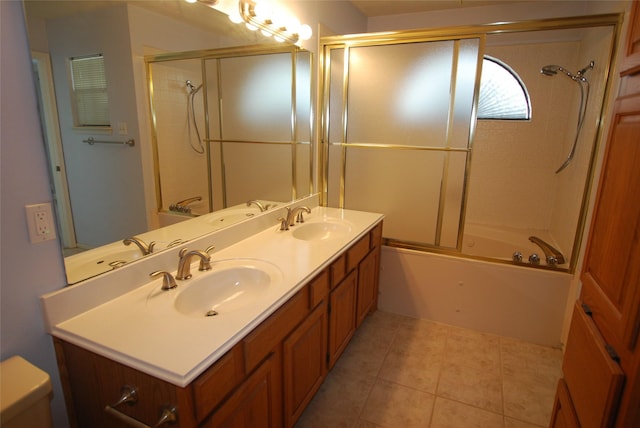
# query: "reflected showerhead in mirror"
[[192, 88]]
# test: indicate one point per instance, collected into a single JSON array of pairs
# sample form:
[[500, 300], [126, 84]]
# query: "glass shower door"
[[399, 132]]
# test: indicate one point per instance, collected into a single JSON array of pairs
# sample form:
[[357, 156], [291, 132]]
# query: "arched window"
[[503, 95]]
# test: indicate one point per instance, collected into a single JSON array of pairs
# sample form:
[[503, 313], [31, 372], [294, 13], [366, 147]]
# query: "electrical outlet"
[[40, 222]]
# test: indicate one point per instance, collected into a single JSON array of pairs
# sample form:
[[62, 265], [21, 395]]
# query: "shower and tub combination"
[[483, 217]]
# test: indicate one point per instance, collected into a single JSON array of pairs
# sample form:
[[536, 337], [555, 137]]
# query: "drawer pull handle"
[[128, 395], [169, 416], [587, 310]]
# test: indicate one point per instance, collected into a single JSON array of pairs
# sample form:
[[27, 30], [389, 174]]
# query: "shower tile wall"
[[514, 161], [513, 180], [183, 171]]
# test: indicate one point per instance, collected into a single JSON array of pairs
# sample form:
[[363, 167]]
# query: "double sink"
[[178, 333], [232, 284]]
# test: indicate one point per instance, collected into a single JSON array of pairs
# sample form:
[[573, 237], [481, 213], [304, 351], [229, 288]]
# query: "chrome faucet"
[[144, 248], [293, 215], [182, 207], [297, 213], [184, 264], [257, 204], [552, 255]]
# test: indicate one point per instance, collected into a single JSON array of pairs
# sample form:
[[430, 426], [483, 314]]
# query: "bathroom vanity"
[[253, 365]]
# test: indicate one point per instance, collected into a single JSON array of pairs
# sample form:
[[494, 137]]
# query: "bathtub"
[[501, 243], [503, 299]]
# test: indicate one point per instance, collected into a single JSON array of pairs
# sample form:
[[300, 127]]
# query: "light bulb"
[[265, 33], [235, 18], [251, 27], [262, 11], [293, 25], [191, 1], [305, 32]]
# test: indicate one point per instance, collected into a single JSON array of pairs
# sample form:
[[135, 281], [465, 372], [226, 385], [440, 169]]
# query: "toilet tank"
[[25, 395]]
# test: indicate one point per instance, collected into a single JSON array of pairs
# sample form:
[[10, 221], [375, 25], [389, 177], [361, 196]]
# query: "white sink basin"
[[322, 230], [93, 262], [230, 286]]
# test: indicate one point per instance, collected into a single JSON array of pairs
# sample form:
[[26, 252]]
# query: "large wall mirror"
[[194, 128]]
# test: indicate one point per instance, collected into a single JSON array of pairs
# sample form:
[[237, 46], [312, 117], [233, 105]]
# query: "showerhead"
[[550, 70]]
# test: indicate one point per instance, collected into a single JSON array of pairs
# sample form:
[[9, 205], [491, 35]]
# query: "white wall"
[[105, 181], [27, 270]]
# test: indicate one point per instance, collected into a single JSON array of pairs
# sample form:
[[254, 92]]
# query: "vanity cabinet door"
[[255, 402], [367, 285], [304, 355], [94, 384], [342, 316], [564, 414]]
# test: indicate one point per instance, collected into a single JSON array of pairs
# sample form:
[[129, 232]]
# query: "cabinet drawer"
[[338, 270], [357, 252], [593, 378], [319, 289], [261, 341], [219, 380]]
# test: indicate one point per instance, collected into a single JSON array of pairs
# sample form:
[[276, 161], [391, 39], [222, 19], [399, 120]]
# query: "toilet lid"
[[22, 385]]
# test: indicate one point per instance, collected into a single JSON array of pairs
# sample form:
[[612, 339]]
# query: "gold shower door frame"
[[217, 55], [332, 43], [446, 149]]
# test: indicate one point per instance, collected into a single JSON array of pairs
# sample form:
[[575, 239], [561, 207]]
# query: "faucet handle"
[[168, 282], [205, 262]]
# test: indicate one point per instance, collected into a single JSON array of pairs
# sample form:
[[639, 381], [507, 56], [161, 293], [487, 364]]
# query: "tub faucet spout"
[[552, 255], [144, 248], [258, 204]]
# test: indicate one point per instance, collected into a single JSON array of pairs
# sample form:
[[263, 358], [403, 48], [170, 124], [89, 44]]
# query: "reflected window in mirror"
[[89, 88]]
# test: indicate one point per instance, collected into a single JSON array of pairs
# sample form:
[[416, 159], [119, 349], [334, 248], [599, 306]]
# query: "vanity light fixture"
[[271, 22], [260, 15]]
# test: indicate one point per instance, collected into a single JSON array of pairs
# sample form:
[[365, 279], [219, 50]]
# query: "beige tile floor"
[[403, 372]]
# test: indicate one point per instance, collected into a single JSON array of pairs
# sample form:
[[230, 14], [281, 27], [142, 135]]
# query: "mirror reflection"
[[139, 175]]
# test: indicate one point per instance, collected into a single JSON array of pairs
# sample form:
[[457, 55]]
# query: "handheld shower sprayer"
[[552, 70], [191, 115]]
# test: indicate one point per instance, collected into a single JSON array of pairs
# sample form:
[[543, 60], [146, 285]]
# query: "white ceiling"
[[371, 8]]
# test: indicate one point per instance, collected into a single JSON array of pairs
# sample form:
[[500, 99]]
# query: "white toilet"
[[24, 396]]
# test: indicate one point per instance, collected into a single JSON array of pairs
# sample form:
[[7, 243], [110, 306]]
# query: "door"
[[53, 142]]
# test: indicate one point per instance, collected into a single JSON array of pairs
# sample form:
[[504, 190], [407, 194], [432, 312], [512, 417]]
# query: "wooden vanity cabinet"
[[265, 380], [354, 291]]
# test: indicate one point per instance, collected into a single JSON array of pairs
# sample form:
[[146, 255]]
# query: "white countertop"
[[156, 339]]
